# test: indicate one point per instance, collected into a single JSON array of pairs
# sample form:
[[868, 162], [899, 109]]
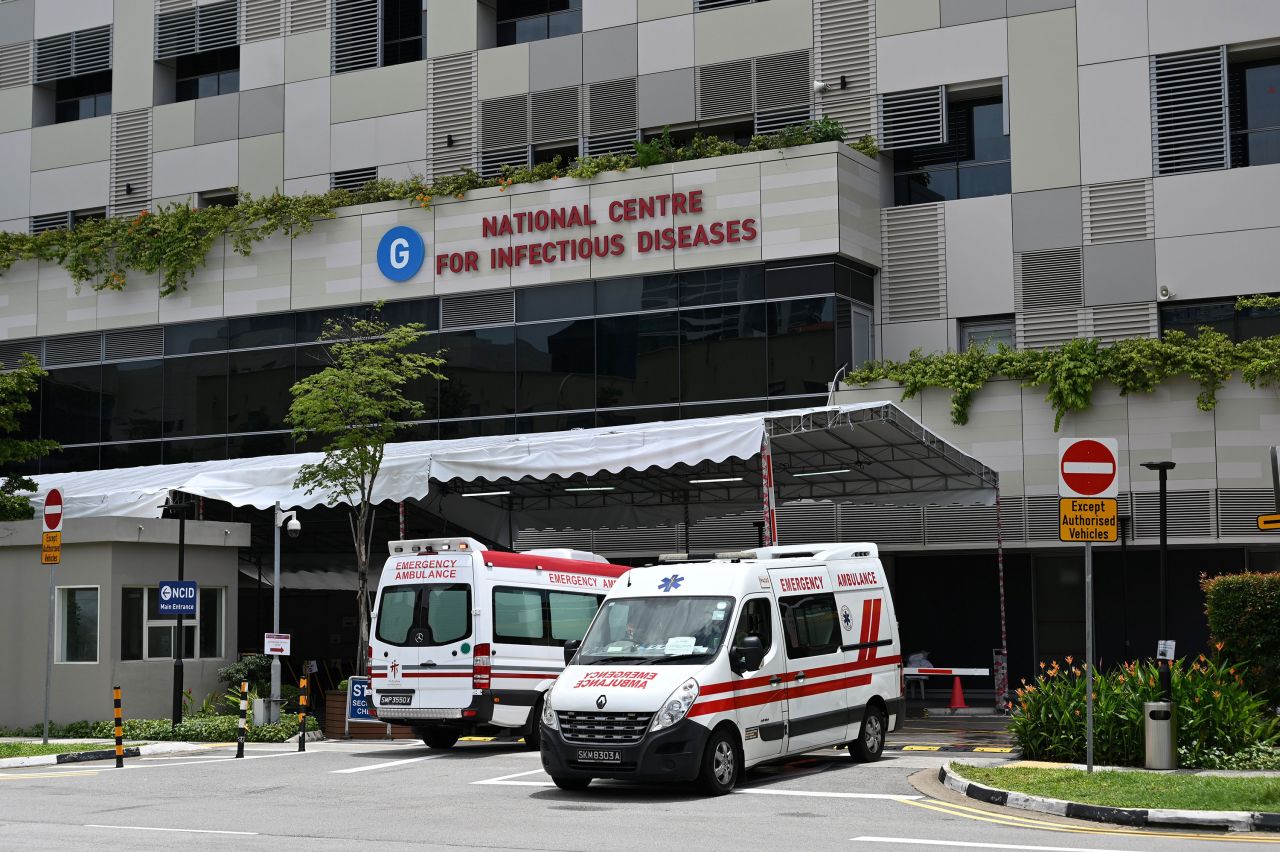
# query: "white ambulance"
[[466, 641], [702, 670]]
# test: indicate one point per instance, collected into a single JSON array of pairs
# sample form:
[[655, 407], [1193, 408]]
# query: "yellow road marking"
[[1001, 750], [921, 748], [66, 774], [1031, 822]]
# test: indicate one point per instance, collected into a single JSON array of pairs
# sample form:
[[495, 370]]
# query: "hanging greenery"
[[1259, 303], [1070, 372], [175, 240]]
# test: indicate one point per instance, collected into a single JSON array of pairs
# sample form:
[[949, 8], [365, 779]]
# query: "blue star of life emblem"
[[846, 617], [672, 582]]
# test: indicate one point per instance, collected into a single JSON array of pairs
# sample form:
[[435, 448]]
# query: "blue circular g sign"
[[400, 253]]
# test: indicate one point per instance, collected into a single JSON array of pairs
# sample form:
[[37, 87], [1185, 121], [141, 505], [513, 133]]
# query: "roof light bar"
[[487, 494], [823, 472], [592, 488], [714, 481]]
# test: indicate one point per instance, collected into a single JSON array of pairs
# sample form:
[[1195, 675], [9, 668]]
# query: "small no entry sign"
[[1088, 467]]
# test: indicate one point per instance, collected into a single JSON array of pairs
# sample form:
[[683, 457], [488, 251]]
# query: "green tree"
[[16, 388], [356, 404]]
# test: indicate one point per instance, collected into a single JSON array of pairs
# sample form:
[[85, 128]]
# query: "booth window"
[[78, 625], [145, 634]]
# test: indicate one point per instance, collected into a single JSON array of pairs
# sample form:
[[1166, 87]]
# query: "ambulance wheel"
[[533, 736], [571, 784], [870, 742], [440, 739], [721, 764]]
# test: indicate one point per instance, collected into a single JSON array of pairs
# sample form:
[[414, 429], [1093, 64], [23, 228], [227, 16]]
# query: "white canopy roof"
[[884, 455]]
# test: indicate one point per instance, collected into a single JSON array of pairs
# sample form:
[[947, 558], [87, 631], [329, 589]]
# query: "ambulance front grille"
[[604, 728]]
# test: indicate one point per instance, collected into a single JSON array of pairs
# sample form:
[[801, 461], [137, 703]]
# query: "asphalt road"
[[494, 796]]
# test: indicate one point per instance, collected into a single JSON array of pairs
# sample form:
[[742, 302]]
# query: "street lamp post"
[[1163, 468], [180, 509], [295, 528]]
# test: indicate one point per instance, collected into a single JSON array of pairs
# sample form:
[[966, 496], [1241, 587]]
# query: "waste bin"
[[1160, 726]]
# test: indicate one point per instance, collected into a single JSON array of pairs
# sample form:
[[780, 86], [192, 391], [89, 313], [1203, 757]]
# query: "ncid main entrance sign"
[[1088, 471]]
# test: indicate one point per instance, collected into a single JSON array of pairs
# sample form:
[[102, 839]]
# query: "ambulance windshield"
[[657, 630], [424, 614]]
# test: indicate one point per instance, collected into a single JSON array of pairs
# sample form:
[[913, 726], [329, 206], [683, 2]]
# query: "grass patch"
[[1133, 789], [36, 749]]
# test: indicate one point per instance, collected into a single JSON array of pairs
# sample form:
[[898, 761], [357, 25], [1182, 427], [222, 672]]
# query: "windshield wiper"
[[620, 659], [668, 657]]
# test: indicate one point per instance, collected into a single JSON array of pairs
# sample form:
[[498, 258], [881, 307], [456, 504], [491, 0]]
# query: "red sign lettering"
[[800, 584]]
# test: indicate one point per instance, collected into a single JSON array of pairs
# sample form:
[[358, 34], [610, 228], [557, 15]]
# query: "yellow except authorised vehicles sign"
[[51, 548], [1084, 519]]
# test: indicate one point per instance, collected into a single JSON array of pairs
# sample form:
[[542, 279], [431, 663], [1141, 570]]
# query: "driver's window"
[[756, 620]]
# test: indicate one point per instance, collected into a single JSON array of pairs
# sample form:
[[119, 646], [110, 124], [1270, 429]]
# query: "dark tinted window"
[[402, 28], [424, 311], [70, 458], [131, 620], [131, 400], [481, 371], [518, 616], [638, 357], [625, 416], [195, 449], [722, 352], [192, 337], [258, 390], [756, 619], [973, 162], [555, 364], [1190, 318], [809, 624], [195, 399], [130, 455], [253, 332], [476, 426], [251, 446], [643, 293], [70, 400], [1254, 102], [802, 334], [717, 286], [557, 302], [782, 282]]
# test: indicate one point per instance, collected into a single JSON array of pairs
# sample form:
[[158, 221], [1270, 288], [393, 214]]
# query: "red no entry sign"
[[53, 511], [1088, 467]]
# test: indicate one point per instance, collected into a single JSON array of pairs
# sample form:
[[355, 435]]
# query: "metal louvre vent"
[[1116, 212], [1190, 514], [50, 221], [554, 115], [611, 107], [806, 520], [576, 539], [182, 29], [604, 728], [73, 54], [478, 309], [263, 19], [1189, 123], [451, 112], [306, 15], [504, 122], [11, 352], [134, 343], [913, 284], [640, 540], [1238, 510], [1113, 323], [783, 80], [1052, 278], [353, 178], [356, 39], [73, 349], [1043, 329], [725, 89], [15, 65], [1042, 519], [913, 118], [882, 524], [130, 162], [844, 38], [727, 532]]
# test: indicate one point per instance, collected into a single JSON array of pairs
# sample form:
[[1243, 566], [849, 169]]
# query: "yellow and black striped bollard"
[[115, 695], [302, 715], [244, 707]]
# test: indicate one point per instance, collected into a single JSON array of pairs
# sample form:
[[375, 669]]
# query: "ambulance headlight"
[[676, 707], [549, 716]]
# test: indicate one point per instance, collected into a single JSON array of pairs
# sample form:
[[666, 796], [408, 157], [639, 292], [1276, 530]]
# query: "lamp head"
[[1159, 465]]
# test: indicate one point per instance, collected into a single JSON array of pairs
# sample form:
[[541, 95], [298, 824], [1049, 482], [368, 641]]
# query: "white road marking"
[[912, 841], [386, 765], [502, 780], [820, 794], [207, 761], [183, 830]]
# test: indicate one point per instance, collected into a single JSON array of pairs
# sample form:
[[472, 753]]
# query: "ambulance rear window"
[[425, 614]]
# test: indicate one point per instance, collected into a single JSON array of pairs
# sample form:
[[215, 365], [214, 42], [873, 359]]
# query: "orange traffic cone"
[[957, 695]]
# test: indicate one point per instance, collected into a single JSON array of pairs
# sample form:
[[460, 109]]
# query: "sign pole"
[[51, 555], [1088, 653], [179, 639], [48, 660]]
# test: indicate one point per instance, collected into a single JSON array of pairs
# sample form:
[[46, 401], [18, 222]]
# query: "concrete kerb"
[[99, 754], [1132, 817]]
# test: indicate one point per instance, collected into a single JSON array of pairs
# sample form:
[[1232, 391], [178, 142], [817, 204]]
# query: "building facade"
[[1050, 169]]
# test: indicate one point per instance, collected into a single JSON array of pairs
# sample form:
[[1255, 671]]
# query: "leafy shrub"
[[1215, 711], [1244, 615], [1254, 757], [203, 729], [255, 668], [70, 731]]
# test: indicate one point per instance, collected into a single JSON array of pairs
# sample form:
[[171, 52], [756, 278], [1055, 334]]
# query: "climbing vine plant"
[[1070, 372], [175, 240]]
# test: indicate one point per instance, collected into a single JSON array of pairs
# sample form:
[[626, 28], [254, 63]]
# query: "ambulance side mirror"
[[747, 656], [571, 647]]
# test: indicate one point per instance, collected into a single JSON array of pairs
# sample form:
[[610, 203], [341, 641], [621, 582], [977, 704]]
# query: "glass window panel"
[[555, 363], [188, 640], [70, 404], [719, 285], [131, 624], [562, 300], [252, 446], [309, 325], [627, 295], [481, 371], [517, 615], [571, 614], [722, 409], [258, 390], [625, 416], [531, 29], [195, 399], [722, 353], [506, 34], [531, 423], [807, 280], [924, 187], [639, 357], [210, 623], [1262, 147], [1262, 96], [1190, 318], [69, 459], [755, 620], [1256, 322], [131, 402], [159, 641], [476, 427], [565, 23], [509, 9], [229, 82], [448, 612], [130, 455], [252, 332], [802, 342], [988, 334], [88, 107], [79, 616], [809, 625], [862, 341], [207, 86], [989, 140], [425, 311], [66, 111], [980, 181], [191, 338], [194, 449]]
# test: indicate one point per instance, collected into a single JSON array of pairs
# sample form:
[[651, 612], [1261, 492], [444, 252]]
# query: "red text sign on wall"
[[543, 245]]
